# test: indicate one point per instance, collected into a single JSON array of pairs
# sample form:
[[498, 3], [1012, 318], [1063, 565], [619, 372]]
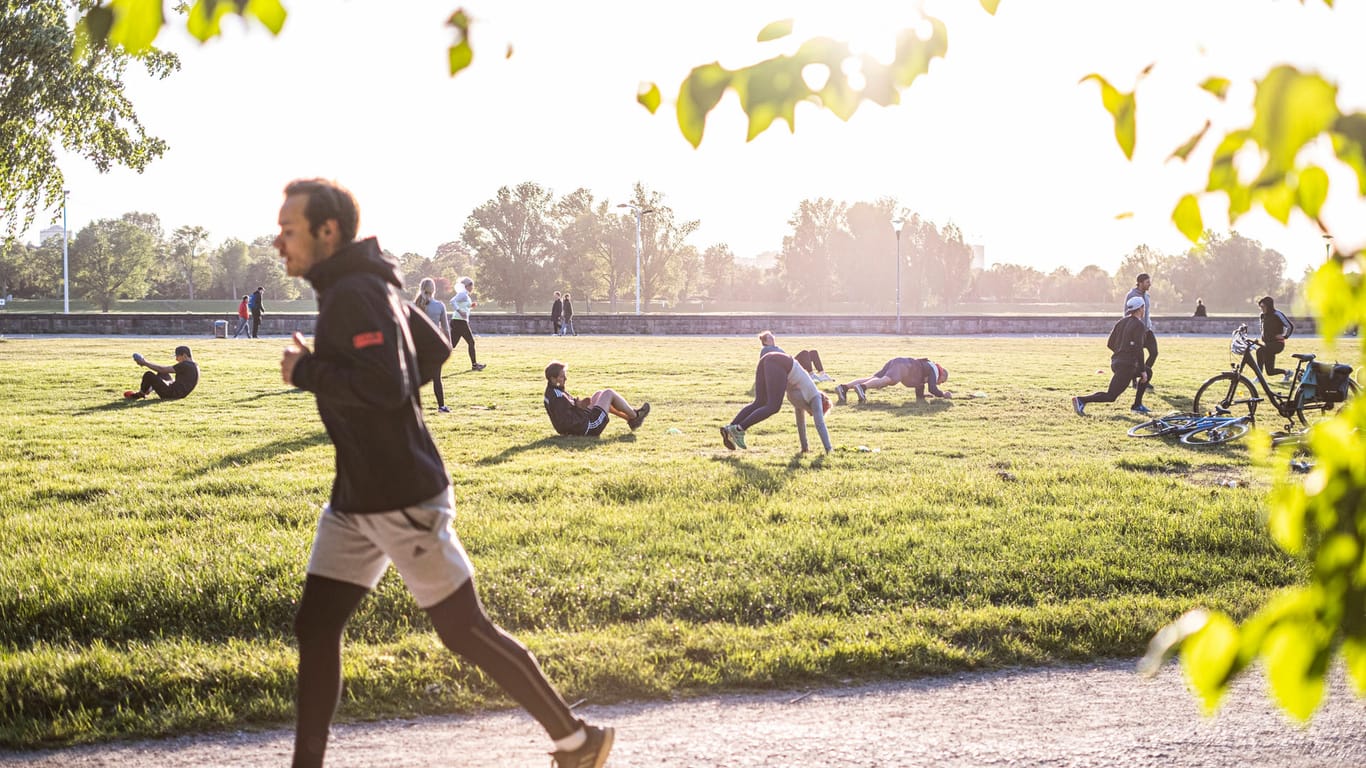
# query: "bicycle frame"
[[1284, 404]]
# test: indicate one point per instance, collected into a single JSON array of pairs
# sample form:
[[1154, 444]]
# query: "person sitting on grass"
[[917, 373], [158, 377], [585, 415], [808, 359], [1126, 362], [778, 373]]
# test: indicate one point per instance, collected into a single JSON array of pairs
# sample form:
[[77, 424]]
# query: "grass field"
[[151, 552]]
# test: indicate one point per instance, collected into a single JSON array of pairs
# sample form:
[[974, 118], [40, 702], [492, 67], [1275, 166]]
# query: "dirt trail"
[[1094, 715]]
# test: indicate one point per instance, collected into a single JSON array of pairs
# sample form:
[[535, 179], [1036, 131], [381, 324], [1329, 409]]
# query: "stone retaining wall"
[[191, 325]]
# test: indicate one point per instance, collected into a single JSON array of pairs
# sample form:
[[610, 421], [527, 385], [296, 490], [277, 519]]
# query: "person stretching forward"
[[778, 373], [918, 373]]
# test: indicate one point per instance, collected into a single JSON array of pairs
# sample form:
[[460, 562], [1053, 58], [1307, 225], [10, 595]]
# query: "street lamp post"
[[66, 276], [638, 211], [897, 224]]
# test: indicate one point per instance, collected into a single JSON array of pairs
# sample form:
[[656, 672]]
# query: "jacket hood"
[[362, 256]]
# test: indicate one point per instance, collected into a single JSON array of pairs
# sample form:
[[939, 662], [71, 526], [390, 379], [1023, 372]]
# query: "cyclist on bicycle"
[[1276, 328], [1126, 362]]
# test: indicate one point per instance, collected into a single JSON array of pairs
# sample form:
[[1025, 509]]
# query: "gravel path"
[[1094, 715]]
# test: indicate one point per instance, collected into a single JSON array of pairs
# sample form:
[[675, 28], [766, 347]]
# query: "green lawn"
[[151, 553]]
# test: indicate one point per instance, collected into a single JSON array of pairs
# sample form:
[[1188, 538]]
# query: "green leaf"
[[1289, 651], [1349, 142], [775, 30], [1217, 86], [1208, 657], [697, 96], [270, 13], [1222, 173], [913, 53], [648, 96], [1277, 200], [990, 6], [1121, 107], [1185, 149], [205, 19], [1187, 218], [136, 24], [1286, 518], [460, 54], [1312, 190], [1291, 109], [1354, 654], [94, 28]]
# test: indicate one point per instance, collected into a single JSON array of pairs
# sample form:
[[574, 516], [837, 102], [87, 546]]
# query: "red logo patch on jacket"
[[369, 339]]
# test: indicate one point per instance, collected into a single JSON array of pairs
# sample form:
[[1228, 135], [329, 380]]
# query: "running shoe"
[[726, 437], [1079, 406], [841, 394], [593, 753], [737, 433], [641, 413], [862, 395]]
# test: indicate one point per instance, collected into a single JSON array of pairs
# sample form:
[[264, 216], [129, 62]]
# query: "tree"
[[585, 247], [111, 259], [513, 238], [664, 244], [50, 97], [819, 240], [232, 268], [189, 263], [866, 272], [718, 270]]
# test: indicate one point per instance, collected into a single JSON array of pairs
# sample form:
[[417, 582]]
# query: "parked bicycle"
[[1194, 429], [1315, 388]]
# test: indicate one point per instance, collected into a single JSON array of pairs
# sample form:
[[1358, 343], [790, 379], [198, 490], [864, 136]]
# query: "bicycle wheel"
[[1311, 409], [1163, 425], [1218, 433], [1227, 390]]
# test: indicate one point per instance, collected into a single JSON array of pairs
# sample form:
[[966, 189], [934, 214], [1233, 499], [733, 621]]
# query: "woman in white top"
[[778, 374], [436, 310]]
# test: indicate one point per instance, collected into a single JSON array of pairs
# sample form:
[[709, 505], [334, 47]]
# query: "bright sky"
[[1000, 138]]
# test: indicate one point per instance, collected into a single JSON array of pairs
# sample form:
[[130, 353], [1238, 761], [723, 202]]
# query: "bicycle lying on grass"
[[1194, 429], [1315, 388]]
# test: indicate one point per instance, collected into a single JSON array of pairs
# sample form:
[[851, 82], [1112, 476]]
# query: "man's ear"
[[330, 231]]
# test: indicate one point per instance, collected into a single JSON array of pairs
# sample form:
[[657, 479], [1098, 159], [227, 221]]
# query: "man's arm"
[[364, 365], [162, 369]]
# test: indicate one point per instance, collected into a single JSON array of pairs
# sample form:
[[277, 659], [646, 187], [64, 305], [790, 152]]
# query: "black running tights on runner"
[[437, 389], [1266, 357], [1123, 374], [462, 625], [770, 385], [460, 329]]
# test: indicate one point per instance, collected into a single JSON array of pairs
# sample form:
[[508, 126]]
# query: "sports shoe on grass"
[[593, 753], [130, 394], [822, 376], [737, 433], [1143, 409], [478, 367], [1079, 406], [841, 394], [641, 413], [862, 395], [442, 409], [726, 438]]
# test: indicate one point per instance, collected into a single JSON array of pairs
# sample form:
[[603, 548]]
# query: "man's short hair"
[[327, 200], [554, 370], [183, 350], [1141, 277], [1267, 301]]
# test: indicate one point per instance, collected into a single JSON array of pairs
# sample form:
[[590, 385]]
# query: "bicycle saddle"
[[1303, 356]]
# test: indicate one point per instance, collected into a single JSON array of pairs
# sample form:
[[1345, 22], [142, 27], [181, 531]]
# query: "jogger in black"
[[1126, 362], [391, 500]]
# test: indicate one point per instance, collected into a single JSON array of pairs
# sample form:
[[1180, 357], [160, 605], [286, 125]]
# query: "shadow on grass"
[[262, 453], [909, 407], [123, 403], [273, 393], [576, 443]]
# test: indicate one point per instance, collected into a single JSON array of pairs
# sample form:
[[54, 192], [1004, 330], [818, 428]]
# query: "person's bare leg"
[[878, 382], [615, 404]]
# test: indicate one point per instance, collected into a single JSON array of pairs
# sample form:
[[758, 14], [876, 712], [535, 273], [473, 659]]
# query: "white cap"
[[1136, 302]]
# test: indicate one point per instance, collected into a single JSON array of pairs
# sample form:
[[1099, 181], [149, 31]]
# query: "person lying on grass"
[[917, 373], [585, 415], [158, 377], [778, 373]]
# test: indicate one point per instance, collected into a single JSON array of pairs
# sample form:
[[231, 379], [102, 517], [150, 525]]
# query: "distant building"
[[49, 233], [979, 256]]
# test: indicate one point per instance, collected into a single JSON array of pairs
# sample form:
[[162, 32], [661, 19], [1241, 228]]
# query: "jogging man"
[[1276, 328], [1126, 361], [391, 498], [1140, 290]]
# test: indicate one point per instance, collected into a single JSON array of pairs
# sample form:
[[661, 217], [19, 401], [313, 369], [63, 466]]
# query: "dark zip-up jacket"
[[372, 352], [566, 416], [1126, 342]]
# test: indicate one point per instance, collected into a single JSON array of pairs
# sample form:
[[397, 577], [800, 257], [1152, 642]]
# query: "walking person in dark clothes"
[[1140, 290], [556, 314], [1126, 362], [158, 377], [568, 327], [1276, 328], [391, 498], [256, 305], [571, 415], [436, 312], [462, 304], [777, 375]]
